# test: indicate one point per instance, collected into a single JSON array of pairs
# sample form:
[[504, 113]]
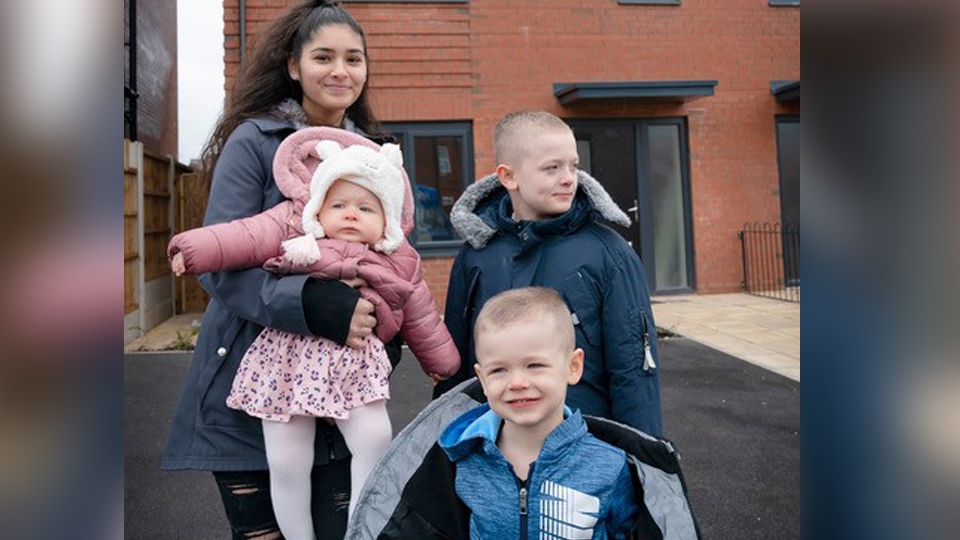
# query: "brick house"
[[150, 75], [687, 111]]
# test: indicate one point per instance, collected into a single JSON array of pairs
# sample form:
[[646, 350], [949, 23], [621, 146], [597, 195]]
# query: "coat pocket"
[[216, 379], [582, 294]]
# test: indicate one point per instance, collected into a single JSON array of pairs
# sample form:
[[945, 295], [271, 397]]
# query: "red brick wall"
[[480, 60], [436, 273], [156, 75]]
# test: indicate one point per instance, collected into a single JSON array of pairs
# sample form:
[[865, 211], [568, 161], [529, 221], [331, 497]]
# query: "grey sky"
[[200, 73]]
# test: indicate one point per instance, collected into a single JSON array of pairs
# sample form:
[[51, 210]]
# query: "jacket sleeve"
[[623, 506], [239, 189], [627, 324], [423, 330], [239, 244]]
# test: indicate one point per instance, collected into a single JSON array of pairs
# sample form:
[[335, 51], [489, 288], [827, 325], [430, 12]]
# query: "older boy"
[[525, 464], [538, 221]]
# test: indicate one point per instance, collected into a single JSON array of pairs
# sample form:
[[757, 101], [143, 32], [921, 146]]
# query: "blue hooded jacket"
[[579, 486], [595, 271]]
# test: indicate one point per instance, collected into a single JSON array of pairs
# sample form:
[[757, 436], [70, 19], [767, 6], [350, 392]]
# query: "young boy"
[[537, 221], [525, 464]]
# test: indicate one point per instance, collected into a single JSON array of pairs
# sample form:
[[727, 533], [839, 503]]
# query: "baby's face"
[[353, 213]]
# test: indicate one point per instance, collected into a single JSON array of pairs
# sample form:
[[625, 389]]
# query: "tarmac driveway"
[[736, 426]]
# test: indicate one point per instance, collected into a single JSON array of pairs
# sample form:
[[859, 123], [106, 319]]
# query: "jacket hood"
[[481, 426], [378, 172], [467, 214], [297, 160]]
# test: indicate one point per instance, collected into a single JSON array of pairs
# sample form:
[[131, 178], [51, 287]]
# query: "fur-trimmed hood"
[[472, 227]]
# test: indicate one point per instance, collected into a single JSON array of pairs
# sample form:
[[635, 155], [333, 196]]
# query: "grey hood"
[[472, 227]]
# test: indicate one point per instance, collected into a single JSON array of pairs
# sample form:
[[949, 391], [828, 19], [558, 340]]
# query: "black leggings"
[[246, 501]]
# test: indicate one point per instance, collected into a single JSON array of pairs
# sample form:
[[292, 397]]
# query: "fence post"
[[171, 216], [133, 255], [141, 244]]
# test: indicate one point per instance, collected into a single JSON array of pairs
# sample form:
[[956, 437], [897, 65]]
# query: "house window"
[[788, 162], [438, 157], [407, 1], [664, 165], [651, 2]]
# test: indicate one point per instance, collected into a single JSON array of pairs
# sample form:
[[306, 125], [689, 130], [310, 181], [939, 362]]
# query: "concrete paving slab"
[[761, 331]]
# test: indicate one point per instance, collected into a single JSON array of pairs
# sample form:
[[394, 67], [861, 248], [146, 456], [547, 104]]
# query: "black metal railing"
[[771, 260]]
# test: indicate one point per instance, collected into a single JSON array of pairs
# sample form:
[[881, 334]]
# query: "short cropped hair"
[[514, 129], [537, 303]]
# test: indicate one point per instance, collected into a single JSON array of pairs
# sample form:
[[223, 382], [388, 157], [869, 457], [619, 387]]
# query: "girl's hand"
[[177, 264], [361, 325]]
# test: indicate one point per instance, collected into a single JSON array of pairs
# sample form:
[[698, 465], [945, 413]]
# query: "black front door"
[[643, 165]]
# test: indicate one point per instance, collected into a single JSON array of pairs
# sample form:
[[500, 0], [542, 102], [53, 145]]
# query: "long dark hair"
[[263, 80]]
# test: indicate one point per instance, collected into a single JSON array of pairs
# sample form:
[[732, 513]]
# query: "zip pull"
[[648, 361], [523, 501]]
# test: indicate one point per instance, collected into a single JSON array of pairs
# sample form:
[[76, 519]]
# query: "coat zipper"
[[523, 510], [524, 494], [648, 361]]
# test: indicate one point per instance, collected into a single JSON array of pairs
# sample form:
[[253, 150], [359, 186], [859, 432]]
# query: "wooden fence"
[[131, 231], [191, 204], [150, 210]]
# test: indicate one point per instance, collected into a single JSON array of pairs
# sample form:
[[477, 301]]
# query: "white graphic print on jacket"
[[566, 513]]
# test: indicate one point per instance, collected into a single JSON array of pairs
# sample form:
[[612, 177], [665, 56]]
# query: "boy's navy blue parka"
[[593, 268]]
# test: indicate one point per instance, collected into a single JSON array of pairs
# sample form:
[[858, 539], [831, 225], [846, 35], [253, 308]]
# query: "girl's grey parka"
[[205, 433]]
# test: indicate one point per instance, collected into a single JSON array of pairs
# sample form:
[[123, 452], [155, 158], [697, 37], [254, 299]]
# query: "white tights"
[[289, 446]]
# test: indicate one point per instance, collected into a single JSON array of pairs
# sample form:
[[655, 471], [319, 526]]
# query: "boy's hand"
[[437, 377], [179, 268]]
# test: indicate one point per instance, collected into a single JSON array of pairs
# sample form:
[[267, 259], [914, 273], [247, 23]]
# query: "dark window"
[[788, 162], [788, 158], [438, 157], [407, 1], [651, 2]]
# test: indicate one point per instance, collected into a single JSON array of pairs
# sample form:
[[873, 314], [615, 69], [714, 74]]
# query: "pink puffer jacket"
[[402, 299]]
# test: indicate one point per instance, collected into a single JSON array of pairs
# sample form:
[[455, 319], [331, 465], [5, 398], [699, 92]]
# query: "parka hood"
[[467, 219], [482, 426]]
